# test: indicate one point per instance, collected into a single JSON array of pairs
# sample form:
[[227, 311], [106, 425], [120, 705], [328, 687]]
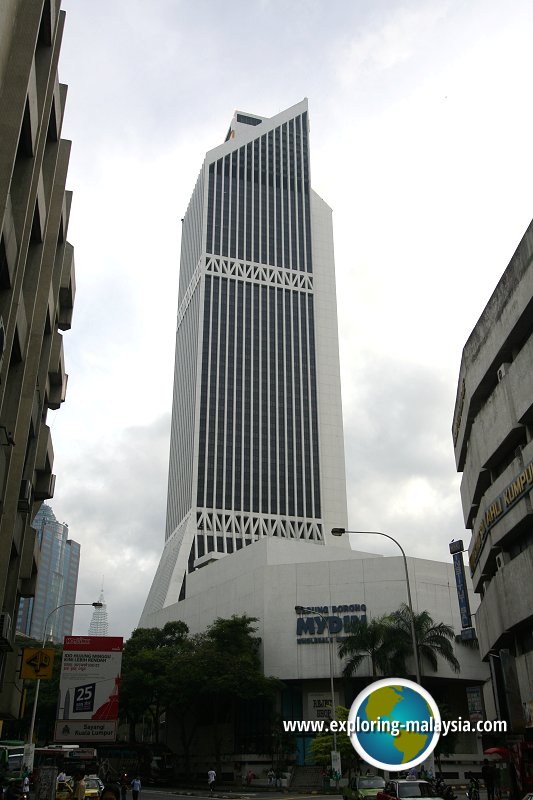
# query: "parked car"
[[363, 786], [92, 788], [405, 788]]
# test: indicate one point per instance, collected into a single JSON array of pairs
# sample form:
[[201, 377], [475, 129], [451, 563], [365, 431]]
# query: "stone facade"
[[36, 296]]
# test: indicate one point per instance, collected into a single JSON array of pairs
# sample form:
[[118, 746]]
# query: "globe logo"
[[394, 724]]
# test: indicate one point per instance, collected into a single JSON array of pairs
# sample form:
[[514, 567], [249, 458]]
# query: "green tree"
[[372, 639], [433, 639], [145, 672], [322, 745], [228, 657]]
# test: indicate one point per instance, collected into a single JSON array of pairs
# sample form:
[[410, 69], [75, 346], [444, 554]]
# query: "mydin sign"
[[316, 624]]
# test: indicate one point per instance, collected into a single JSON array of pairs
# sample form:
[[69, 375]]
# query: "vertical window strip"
[[265, 402], [306, 408], [261, 210], [247, 392], [314, 411], [297, 204], [217, 232], [210, 204], [290, 401], [249, 201], [271, 220], [226, 177], [213, 390], [285, 197], [278, 193], [221, 397], [282, 413], [204, 401], [297, 362], [230, 395], [239, 406], [303, 200], [256, 409], [273, 427]]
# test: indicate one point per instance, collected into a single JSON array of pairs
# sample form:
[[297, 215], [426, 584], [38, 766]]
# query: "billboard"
[[462, 590], [88, 689]]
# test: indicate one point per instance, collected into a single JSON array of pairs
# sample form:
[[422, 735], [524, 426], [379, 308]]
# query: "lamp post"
[[35, 699], [301, 610], [340, 532]]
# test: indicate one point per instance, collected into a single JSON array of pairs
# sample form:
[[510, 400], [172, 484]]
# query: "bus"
[[67, 758]]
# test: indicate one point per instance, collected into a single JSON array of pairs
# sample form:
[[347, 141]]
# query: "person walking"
[[136, 788], [487, 773], [79, 785], [211, 778]]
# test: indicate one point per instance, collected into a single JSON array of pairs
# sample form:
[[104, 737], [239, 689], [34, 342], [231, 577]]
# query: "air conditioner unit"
[[5, 626], [502, 370], [25, 496], [502, 559]]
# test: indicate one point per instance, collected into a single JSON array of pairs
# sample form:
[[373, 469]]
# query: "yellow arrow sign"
[[37, 663]]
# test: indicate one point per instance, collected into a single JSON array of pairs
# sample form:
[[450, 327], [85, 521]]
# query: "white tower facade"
[[99, 625], [257, 446]]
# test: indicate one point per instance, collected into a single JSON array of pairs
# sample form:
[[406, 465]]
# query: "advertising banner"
[[462, 590], [88, 690]]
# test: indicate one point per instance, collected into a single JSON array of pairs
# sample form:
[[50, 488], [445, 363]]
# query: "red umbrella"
[[503, 752]]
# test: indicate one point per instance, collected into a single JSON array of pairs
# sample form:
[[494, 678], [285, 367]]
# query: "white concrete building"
[[257, 445], [493, 439], [269, 580], [256, 474]]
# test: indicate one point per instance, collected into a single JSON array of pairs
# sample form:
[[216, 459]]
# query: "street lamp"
[[340, 532], [302, 610], [98, 604]]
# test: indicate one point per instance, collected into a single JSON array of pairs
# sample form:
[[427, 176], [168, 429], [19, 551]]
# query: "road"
[[169, 794]]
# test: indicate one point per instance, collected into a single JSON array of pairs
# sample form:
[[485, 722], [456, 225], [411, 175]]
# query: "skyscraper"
[[57, 580], [99, 622], [256, 444]]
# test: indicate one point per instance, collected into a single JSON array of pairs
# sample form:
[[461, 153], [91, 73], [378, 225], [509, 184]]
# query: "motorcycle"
[[472, 792]]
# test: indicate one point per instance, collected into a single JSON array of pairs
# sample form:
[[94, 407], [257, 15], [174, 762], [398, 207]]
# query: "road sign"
[[37, 663]]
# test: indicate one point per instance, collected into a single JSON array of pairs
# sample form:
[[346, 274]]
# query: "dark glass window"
[[248, 120]]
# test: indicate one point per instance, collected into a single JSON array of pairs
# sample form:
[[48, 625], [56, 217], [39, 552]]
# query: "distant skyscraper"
[[57, 580], [99, 623], [257, 444]]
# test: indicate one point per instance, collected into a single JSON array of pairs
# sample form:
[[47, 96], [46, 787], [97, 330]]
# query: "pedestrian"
[[278, 779], [249, 777], [25, 785], [271, 775], [79, 785], [211, 778], [136, 788], [123, 790], [487, 773]]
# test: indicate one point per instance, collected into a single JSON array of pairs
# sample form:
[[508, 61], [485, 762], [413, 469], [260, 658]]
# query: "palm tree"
[[367, 639], [433, 639]]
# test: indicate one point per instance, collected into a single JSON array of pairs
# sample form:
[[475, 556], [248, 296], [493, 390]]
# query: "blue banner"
[[462, 592]]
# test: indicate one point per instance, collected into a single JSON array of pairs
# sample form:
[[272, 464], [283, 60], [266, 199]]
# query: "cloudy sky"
[[421, 126]]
